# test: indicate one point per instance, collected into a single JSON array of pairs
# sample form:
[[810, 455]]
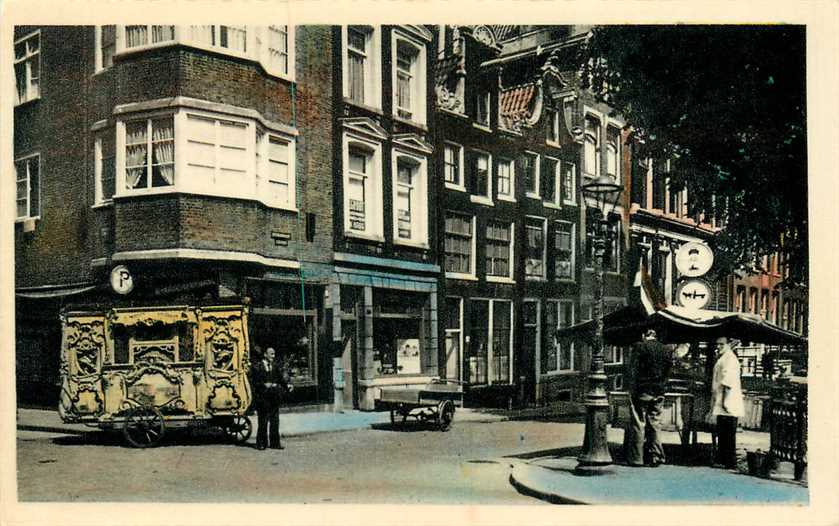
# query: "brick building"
[[516, 139], [198, 158]]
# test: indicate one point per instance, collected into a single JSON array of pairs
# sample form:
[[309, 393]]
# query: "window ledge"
[[565, 280], [19, 220], [167, 190], [407, 243], [27, 101], [508, 199], [500, 279], [412, 123], [536, 278], [564, 372], [549, 204], [452, 186], [481, 200], [464, 277], [366, 237], [454, 113], [533, 196], [104, 204], [372, 109], [570, 203], [482, 127], [553, 143]]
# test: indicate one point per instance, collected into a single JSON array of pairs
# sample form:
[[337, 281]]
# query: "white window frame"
[[565, 199], [511, 165], [491, 340], [592, 171], [187, 181], [32, 92], [256, 45], [617, 151], [537, 352], [419, 77], [263, 178], [98, 165], [459, 331], [573, 250], [99, 66], [483, 96], [372, 68], [26, 158], [511, 255], [544, 221], [419, 198], [460, 185], [374, 228], [537, 175], [462, 275], [555, 177], [559, 369], [485, 199], [553, 127]]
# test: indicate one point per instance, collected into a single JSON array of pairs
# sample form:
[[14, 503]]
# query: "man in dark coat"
[[270, 384], [650, 366]]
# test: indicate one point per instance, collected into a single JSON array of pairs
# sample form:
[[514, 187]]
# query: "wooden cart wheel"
[[144, 426], [445, 415], [239, 429]]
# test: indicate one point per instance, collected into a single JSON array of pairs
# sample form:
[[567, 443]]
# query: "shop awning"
[[385, 280], [675, 324], [52, 292]]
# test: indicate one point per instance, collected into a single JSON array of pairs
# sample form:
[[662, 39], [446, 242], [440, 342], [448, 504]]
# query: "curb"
[[553, 498]]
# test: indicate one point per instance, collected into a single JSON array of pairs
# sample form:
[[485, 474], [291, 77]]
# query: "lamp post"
[[605, 192]]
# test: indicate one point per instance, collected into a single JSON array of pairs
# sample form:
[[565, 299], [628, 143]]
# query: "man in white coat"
[[726, 401]]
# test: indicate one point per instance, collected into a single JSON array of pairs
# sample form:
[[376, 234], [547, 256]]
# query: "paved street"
[[373, 465]]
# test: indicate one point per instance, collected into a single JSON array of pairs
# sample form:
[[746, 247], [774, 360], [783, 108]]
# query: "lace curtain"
[[163, 152]]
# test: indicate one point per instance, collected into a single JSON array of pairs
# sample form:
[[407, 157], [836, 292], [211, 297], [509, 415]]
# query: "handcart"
[[434, 402], [144, 370]]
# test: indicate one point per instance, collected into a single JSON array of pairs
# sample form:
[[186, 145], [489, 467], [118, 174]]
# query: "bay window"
[[149, 153], [530, 168], [410, 210], [459, 244], [28, 183], [27, 64], [409, 76], [272, 46], [505, 179], [534, 262], [564, 251], [362, 66], [105, 166], [198, 151], [362, 188], [499, 250]]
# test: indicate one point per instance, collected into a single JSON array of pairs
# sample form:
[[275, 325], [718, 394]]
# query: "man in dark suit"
[[270, 385], [650, 366]]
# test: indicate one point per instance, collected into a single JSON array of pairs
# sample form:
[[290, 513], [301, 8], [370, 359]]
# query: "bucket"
[[759, 463]]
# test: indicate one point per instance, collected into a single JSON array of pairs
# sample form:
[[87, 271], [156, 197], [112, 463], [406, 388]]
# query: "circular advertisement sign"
[[694, 259], [121, 280], [693, 294]]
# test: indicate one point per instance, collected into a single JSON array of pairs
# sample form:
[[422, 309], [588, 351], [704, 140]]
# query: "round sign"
[[121, 280], [693, 294], [694, 259]]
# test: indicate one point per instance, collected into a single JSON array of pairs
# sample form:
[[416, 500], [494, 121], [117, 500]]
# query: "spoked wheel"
[[143, 426], [239, 429], [445, 415]]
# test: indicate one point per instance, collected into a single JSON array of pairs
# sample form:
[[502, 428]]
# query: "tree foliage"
[[729, 104]]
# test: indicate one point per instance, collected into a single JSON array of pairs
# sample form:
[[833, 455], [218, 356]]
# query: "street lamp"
[[605, 192]]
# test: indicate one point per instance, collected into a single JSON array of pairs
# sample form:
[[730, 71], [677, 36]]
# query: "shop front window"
[[399, 333]]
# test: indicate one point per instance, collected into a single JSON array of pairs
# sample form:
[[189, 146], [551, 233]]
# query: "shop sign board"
[[693, 294]]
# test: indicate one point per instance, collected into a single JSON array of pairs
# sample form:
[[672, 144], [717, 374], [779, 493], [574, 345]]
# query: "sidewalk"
[[295, 423], [552, 478]]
